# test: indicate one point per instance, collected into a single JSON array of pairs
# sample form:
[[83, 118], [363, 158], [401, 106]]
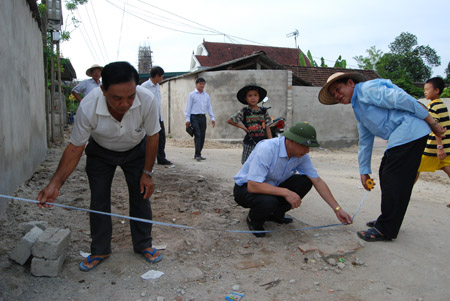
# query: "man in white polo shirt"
[[120, 122]]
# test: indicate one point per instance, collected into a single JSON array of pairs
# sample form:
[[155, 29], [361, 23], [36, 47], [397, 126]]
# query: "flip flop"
[[371, 224], [372, 234], [89, 260], [157, 259]]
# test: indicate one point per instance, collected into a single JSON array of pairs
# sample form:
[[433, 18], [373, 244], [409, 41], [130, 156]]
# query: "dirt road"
[[210, 264]]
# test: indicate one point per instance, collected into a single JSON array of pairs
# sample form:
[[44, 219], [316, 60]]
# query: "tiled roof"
[[318, 76], [219, 53]]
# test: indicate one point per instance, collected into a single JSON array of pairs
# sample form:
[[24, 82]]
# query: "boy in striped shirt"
[[437, 151]]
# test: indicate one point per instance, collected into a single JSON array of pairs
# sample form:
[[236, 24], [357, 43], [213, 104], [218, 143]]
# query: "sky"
[[113, 30]]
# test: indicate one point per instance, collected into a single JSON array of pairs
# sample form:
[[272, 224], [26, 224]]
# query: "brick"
[[306, 248], [26, 227], [52, 243], [47, 267], [22, 251]]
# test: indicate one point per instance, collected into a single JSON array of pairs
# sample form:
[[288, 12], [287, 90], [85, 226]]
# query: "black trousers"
[[161, 155], [397, 173], [101, 164], [262, 206], [198, 122]]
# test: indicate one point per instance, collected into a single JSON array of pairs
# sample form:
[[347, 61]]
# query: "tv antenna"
[[293, 34]]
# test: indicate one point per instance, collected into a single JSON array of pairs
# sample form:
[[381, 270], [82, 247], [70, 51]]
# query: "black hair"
[[438, 83], [156, 71], [200, 80], [117, 73]]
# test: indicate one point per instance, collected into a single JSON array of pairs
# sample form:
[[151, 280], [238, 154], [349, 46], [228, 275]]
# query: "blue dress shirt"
[[269, 163], [384, 110], [86, 86]]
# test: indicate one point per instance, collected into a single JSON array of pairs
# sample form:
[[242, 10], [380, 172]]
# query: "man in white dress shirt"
[[198, 104], [120, 122], [156, 76]]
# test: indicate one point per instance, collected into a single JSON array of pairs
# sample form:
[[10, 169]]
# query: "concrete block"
[[51, 243], [22, 251], [26, 227], [47, 267]]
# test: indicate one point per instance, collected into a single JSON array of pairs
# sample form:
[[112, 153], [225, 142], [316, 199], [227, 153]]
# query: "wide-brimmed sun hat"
[[325, 96], [89, 71], [302, 133], [243, 92]]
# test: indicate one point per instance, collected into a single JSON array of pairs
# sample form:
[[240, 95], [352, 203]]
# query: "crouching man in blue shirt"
[[277, 176], [384, 110]]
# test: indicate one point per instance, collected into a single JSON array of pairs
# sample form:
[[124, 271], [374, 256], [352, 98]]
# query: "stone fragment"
[[52, 243], [22, 251]]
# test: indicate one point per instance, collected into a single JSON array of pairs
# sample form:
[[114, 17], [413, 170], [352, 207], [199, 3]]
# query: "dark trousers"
[[262, 206], [198, 122], [397, 173], [161, 155], [101, 164]]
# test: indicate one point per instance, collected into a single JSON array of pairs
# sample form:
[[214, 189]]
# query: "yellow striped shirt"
[[439, 111]]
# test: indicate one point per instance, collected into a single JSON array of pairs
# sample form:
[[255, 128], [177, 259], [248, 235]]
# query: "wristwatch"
[[148, 173], [440, 147]]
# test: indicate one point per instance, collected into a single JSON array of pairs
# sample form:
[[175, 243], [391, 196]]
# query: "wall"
[[222, 86], [22, 112], [336, 125]]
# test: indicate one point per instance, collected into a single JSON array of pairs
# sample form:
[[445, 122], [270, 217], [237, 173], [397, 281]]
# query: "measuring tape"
[[188, 227]]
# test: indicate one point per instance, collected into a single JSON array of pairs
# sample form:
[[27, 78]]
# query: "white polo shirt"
[[93, 119]]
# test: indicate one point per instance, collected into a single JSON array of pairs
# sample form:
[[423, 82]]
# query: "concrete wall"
[[336, 125], [22, 113]]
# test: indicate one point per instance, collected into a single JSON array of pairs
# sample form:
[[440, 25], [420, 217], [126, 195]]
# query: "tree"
[[369, 62], [340, 63], [407, 58]]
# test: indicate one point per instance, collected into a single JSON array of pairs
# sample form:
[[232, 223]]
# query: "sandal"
[[90, 259], [448, 205], [157, 259], [372, 234], [371, 224]]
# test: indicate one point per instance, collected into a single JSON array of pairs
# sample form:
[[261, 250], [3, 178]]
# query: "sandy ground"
[[211, 263]]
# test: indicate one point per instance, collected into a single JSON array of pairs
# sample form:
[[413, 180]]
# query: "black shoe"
[[199, 158], [280, 220], [253, 227], [167, 162]]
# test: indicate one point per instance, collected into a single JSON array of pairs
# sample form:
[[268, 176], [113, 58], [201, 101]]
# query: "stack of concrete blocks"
[[48, 248]]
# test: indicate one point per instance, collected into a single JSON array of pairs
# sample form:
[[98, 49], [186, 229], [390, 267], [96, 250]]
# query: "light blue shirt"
[[86, 86], [198, 103], [269, 163], [155, 89], [384, 110]]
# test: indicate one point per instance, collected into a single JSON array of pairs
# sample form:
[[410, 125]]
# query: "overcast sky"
[[112, 30]]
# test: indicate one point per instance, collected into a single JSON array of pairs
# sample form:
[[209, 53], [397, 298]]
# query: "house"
[[211, 54]]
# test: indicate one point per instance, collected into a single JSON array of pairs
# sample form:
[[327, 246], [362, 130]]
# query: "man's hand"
[[147, 186], [344, 217], [364, 179], [48, 195], [293, 199], [213, 123], [438, 130], [188, 124]]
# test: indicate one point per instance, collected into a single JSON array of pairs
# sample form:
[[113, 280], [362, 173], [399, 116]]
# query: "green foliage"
[[340, 63], [322, 63], [446, 93], [447, 74], [416, 61], [311, 60], [369, 62], [302, 59]]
